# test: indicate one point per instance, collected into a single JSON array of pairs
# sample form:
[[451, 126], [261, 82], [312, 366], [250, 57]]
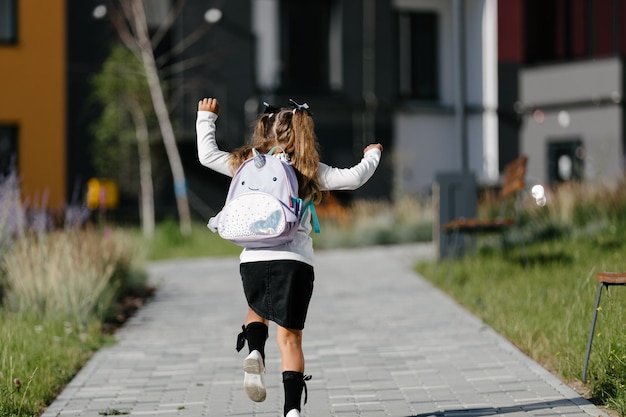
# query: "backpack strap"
[[316, 222], [274, 149]]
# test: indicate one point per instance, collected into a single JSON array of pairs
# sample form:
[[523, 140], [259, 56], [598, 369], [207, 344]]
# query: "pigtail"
[[259, 141], [306, 157], [238, 156], [262, 129]]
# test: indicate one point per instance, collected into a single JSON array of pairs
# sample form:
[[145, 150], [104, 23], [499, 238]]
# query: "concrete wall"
[[570, 82], [425, 144], [571, 101], [429, 133]]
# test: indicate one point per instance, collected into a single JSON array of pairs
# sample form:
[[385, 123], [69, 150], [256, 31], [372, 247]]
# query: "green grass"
[[545, 308], [38, 357], [169, 243]]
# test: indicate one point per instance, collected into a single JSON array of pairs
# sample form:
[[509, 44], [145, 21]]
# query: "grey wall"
[[576, 100]]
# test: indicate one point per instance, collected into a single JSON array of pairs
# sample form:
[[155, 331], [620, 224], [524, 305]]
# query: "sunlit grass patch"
[[38, 357], [545, 305]]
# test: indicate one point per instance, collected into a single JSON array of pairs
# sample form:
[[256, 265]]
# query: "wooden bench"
[[509, 195]]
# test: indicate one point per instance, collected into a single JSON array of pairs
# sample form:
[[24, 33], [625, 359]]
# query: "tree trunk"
[[145, 172], [163, 117]]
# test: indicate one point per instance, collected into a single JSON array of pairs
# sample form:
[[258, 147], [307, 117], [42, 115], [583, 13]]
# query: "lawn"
[[541, 295]]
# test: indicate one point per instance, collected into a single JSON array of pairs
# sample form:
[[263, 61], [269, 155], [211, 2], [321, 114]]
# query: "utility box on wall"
[[454, 196]]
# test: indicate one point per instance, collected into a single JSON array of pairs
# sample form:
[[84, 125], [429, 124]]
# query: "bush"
[[367, 223], [72, 274], [61, 288], [59, 283]]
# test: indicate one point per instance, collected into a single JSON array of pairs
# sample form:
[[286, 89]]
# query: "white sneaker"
[[293, 413], [254, 369]]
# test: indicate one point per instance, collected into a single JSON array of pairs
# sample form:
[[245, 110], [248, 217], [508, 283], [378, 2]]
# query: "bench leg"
[[524, 254], [506, 246], [505, 243], [591, 332], [452, 248]]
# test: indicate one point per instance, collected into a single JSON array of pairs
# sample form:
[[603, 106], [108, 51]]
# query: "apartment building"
[[444, 85], [566, 107], [49, 53], [33, 100]]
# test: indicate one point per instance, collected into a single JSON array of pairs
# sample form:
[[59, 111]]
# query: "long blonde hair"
[[294, 132]]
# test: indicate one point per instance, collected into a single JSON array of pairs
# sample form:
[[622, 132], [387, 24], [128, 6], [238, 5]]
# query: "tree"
[[121, 87], [130, 22]]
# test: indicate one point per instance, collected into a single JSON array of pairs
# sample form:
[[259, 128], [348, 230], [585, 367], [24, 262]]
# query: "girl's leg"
[[252, 317], [290, 345], [255, 332]]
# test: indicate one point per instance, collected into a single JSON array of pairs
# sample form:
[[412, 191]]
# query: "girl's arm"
[[332, 178], [208, 152]]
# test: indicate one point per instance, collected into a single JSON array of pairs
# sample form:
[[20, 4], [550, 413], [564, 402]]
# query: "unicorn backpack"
[[262, 207]]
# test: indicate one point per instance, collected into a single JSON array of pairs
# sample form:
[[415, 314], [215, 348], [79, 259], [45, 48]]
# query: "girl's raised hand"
[[373, 146], [209, 104]]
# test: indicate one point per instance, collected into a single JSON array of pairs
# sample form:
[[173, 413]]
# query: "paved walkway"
[[380, 341]]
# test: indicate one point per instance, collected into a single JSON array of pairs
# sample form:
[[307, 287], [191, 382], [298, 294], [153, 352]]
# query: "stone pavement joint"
[[379, 341]]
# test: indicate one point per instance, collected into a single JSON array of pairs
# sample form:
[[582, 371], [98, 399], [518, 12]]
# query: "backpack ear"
[[259, 160]]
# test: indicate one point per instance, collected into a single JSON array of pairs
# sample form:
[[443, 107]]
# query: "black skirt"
[[279, 291]]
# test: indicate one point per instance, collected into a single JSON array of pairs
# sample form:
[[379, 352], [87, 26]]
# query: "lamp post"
[[459, 102]]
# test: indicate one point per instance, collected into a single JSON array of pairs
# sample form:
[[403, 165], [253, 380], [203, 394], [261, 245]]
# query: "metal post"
[[460, 99], [593, 329]]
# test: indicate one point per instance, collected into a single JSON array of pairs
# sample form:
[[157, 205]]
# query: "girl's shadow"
[[496, 411]]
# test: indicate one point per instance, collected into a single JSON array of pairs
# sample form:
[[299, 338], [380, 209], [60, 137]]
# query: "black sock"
[[256, 334], [293, 383]]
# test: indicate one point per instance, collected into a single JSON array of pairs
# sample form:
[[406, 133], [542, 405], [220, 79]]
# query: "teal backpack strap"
[[316, 222], [274, 149]]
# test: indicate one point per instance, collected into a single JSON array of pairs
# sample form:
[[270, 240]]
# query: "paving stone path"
[[379, 341]]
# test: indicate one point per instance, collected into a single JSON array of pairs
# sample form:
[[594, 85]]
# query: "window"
[[418, 55], [304, 45], [559, 30], [565, 160], [8, 19], [8, 149]]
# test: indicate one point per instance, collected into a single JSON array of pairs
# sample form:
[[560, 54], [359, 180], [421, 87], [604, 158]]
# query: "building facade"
[[33, 99], [453, 125], [567, 59], [445, 85], [419, 76]]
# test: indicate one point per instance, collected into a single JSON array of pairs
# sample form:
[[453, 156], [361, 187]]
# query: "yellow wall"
[[33, 96]]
